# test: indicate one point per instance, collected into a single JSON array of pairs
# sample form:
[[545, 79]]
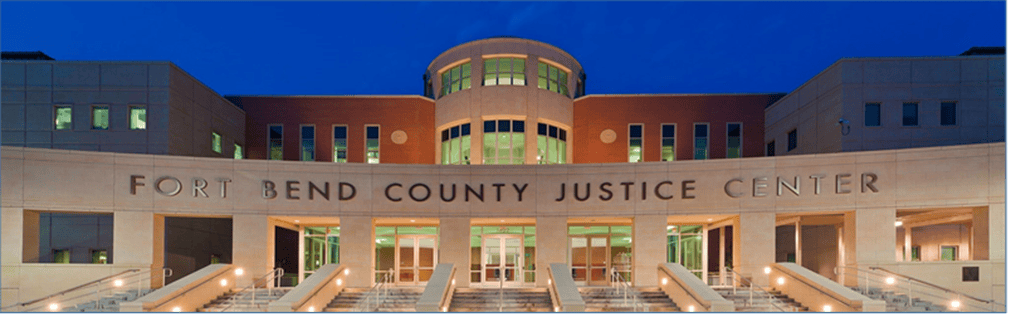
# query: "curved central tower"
[[504, 101]]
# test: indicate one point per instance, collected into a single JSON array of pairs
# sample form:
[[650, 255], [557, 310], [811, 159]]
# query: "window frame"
[[301, 142], [56, 113], [238, 150], [740, 149], [954, 115], [496, 122], [108, 113], [379, 137], [791, 140], [642, 142], [674, 147], [866, 104], [129, 117], [557, 80], [447, 130], [333, 142], [560, 149], [269, 125], [695, 137], [512, 72], [445, 90], [216, 137], [916, 116]]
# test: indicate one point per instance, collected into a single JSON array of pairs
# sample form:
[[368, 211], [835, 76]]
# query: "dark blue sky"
[[365, 48]]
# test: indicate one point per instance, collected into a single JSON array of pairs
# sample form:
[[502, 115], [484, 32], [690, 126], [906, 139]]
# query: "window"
[[668, 147], [701, 141], [770, 149], [634, 143], [100, 117], [372, 144], [505, 71], [138, 117], [64, 115], [948, 113], [99, 257], [551, 144], [275, 145], [553, 79], [61, 256], [340, 144], [308, 143], [456, 145], [580, 85], [429, 92], [949, 253], [910, 114], [238, 155], [916, 253], [504, 142], [791, 140], [734, 140], [456, 79], [872, 114], [216, 142], [57, 237]]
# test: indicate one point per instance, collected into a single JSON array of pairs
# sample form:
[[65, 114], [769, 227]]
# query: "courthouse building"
[[502, 167]]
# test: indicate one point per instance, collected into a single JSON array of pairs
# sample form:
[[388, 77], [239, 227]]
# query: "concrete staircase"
[[899, 302], [514, 300], [244, 300], [107, 303], [608, 299], [759, 301], [400, 299]]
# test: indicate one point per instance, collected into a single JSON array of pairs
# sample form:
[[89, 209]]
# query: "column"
[[252, 247], [20, 236], [996, 242], [980, 247], [649, 248], [454, 247], [754, 245], [797, 230], [133, 241], [157, 250], [357, 251], [552, 240], [705, 252], [723, 254], [908, 244]]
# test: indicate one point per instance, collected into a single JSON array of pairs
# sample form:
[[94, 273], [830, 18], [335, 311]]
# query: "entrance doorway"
[[596, 251], [502, 262], [415, 259], [321, 247]]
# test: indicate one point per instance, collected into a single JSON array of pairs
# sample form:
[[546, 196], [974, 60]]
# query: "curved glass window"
[[456, 145], [552, 78], [504, 142], [505, 71], [550, 144], [456, 79]]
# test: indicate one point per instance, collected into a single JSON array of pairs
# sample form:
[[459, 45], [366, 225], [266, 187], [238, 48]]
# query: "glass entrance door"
[[502, 260], [589, 258], [416, 259]]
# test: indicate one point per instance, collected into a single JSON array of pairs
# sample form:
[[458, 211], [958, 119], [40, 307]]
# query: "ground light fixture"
[[768, 270], [691, 308], [347, 271], [177, 309], [890, 280], [663, 281], [340, 282], [224, 282], [117, 283], [781, 281], [956, 304], [312, 309], [54, 307], [239, 271], [827, 308]]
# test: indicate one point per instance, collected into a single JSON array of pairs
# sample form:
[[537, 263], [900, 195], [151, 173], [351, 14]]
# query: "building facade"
[[163, 172]]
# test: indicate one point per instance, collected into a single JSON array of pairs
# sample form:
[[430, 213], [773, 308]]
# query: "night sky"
[[383, 48]]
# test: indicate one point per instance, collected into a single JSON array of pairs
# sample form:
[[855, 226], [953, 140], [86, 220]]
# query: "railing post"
[[909, 282]]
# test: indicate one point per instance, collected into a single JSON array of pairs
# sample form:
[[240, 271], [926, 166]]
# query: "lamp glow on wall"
[[663, 281], [781, 280], [54, 307], [117, 283], [239, 271]]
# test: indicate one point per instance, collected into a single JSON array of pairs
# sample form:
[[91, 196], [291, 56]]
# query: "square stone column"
[[759, 230], [357, 250], [252, 247], [980, 247], [133, 239], [867, 236], [997, 216], [454, 247], [16, 238], [649, 248], [552, 240]]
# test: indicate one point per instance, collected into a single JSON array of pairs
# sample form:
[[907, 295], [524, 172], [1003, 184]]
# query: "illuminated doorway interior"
[[503, 252], [410, 251], [321, 247], [598, 248]]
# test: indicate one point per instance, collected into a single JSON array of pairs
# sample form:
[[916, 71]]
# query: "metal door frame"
[[521, 257], [417, 256]]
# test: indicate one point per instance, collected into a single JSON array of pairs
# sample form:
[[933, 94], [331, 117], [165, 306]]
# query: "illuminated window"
[[308, 143], [99, 257], [340, 144], [668, 142], [948, 113], [216, 142], [238, 155], [872, 114], [372, 144], [734, 140], [949, 253], [505, 71], [456, 79], [791, 140], [551, 144], [701, 141], [635, 143], [64, 116], [553, 79], [456, 145], [910, 114], [276, 144], [504, 142], [100, 117], [138, 117]]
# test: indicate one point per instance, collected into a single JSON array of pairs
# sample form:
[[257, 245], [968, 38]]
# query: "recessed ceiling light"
[[412, 220], [296, 220]]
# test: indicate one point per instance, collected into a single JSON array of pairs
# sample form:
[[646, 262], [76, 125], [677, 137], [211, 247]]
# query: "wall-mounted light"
[[890, 280], [453, 282], [340, 282], [827, 308], [347, 271], [239, 271], [780, 281], [177, 309], [767, 270], [54, 307], [663, 281], [312, 309], [691, 308], [844, 126], [898, 223], [224, 282], [117, 283], [956, 304]]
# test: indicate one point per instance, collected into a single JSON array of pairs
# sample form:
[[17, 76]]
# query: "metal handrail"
[[378, 291], [751, 290], [98, 291], [841, 270], [620, 284], [269, 280]]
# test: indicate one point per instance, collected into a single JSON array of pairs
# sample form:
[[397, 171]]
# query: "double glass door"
[[416, 259], [589, 257], [502, 261]]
